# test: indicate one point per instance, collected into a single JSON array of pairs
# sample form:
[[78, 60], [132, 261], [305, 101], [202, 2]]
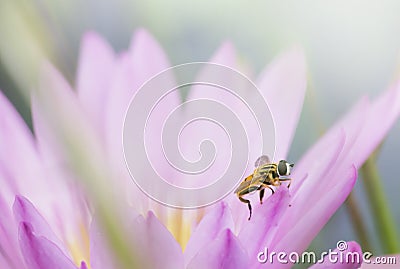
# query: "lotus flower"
[[53, 179]]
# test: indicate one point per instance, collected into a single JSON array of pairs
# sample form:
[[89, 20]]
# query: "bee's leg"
[[248, 203], [262, 191], [287, 179], [271, 189], [261, 195], [266, 186]]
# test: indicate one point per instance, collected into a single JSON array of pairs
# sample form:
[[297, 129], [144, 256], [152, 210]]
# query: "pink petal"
[[101, 253], [255, 234], [5, 264], [283, 84], [18, 156], [144, 59], [8, 237], [301, 232], [21, 172], [150, 237], [316, 175], [84, 266], [94, 76], [352, 249], [197, 131], [358, 145], [383, 113], [63, 131], [56, 113], [224, 252], [359, 125], [341, 136], [321, 180], [24, 211], [39, 252], [225, 55], [101, 256], [209, 228]]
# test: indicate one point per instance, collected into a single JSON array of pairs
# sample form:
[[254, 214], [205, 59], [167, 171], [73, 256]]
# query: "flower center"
[[79, 247], [180, 227], [181, 222]]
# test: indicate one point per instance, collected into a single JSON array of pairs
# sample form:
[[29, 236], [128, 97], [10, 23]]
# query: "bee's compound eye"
[[282, 168]]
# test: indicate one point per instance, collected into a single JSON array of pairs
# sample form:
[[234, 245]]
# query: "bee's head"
[[284, 168]]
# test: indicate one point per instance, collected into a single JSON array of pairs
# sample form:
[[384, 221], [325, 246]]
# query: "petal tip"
[[91, 36], [83, 265], [142, 36], [92, 43], [20, 203], [26, 228], [225, 55]]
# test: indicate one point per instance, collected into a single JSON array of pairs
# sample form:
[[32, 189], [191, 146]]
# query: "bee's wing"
[[247, 186], [263, 159]]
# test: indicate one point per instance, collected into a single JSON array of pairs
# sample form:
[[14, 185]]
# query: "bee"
[[265, 175]]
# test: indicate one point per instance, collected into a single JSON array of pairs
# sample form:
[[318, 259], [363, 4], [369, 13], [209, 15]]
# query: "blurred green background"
[[352, 49]]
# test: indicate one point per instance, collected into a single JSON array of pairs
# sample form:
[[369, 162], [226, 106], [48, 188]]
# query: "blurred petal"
[[94, 76], [18, 159], [9, 248], [381, 116], [211, 225], [101, 256], [225, 55], [225, 252], [283, 84], [197, 131], [41, 253], [24, 211], [147, 54], [353, 254], [84, 266], [144, 60], [56, 111], [61, 128], [156, 247]]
